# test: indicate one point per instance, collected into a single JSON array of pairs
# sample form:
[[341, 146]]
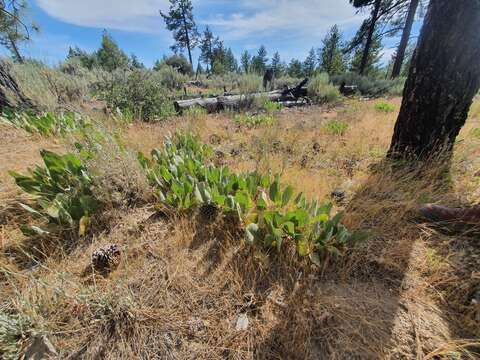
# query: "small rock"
[[477, 174], [39, 349], [242, 322], [106, 258]]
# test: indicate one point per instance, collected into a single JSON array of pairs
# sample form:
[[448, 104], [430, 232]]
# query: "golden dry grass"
[[182, 284]]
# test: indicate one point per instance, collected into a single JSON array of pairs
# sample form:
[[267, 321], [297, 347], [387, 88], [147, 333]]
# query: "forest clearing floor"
[[186, 289]]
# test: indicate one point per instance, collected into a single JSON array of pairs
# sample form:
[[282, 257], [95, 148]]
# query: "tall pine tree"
[[180, 21], [331, 55]]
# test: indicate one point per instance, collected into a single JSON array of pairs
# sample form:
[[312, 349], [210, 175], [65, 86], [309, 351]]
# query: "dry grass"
[[182, 284]]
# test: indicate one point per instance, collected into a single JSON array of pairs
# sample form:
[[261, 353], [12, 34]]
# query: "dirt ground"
[[183, 285]]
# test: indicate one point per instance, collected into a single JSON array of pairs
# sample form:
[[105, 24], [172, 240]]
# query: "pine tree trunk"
[[15, 50], [443, 79], [371, 32], [187, 38], [397, 66]]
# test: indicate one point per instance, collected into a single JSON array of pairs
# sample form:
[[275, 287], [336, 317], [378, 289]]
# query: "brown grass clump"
[[183, 283]]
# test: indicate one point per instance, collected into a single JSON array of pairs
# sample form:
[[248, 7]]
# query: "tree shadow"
[[371, 304]]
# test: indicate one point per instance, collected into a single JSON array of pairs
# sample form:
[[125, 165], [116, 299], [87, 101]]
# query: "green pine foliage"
[[331, 55]]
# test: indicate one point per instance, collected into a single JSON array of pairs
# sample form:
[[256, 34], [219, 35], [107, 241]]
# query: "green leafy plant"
[[271, 108], [61, 193], [384, 106], [46, 124], [271, 213], [254, 120], [13, 328], [336, 127]]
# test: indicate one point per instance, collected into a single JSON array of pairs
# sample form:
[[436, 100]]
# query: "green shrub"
[[139, 92], [286, 81], [177, 62], [62, 191], [254, 120], [249, 83], [170, 78], [371, 86], [384, 106], [273, 214], [336, 127], [271, 107], [321, 91], [50, 88]]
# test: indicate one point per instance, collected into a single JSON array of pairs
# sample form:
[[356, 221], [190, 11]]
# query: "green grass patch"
[[336, 127], [384, 106], [254, 120]]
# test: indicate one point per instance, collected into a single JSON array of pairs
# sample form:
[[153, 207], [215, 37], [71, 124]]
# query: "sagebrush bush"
[[249, 83], [286, 81], [371, 86], [170, 78], [321, 91], [139, 92], [52, 88]]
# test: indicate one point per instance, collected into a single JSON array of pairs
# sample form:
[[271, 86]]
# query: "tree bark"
[[187, 38], [371, 31], [407, 30], [443, 79], [10, 94], [15, 50]]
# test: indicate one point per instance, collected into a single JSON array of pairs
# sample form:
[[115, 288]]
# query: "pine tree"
[[109, 55], [180, 21], [231, 63], [309, 64], [407, 29], [207, 44], [276, 64], [135, 63], [331, 55], [259, 62], [295, 68], [443, 79], [87, 60], [13, 29], [371, 64], [370, 25], [245, 61]]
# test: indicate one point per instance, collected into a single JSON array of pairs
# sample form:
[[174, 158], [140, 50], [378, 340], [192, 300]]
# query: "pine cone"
[[106, 258]]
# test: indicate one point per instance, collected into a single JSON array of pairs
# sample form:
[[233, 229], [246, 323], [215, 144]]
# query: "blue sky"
[[290, 26]]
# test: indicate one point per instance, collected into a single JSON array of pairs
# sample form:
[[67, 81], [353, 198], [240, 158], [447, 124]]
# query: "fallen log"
[[219, 103]]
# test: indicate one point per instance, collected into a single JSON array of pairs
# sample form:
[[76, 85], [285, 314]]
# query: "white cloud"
[[129, 15], [237, 19], [287, 18]]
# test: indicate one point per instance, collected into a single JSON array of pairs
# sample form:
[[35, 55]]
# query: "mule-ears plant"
[[46, 124], [62, 194], [271, 213]]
